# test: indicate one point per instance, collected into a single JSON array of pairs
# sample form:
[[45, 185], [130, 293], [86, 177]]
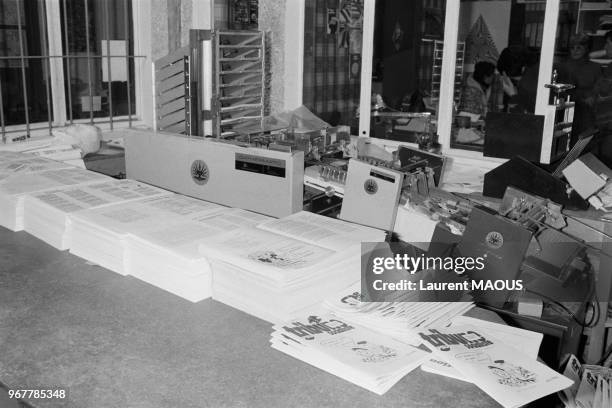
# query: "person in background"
[[584, 74], [510, 66], [527, 86], [604, 86], [604, 103], [477, 90], [608, 49]]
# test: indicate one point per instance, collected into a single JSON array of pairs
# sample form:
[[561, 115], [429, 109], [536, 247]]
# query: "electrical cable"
[[606, 355], [554, 302]]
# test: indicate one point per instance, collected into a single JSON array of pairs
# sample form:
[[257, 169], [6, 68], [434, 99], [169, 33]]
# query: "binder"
[[371, 195]]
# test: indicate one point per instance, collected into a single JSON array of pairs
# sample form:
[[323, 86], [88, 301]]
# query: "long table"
[[115, 341]]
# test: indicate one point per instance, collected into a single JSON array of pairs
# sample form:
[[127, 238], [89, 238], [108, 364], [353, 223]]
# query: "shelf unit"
[[589, 14], [238, 81], [213, 86], [437, 70], [172, 92]]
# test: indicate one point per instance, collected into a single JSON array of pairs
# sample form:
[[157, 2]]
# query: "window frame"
[[445, 114], [143, 77]]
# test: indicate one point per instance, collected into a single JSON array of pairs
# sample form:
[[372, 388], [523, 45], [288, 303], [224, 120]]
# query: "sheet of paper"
[[586, 391], [511, 378], [118, 66], [525, 341], [45, 180], [347, 350], [276, 256], [573, 370], [324, 231], [71, 199]]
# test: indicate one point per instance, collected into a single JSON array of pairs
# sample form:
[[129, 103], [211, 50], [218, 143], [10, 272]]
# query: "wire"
[[606, 355], [594, 304], [583, 324], [596, 312]]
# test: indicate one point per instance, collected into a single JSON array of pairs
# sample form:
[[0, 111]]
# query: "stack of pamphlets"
[[98, 234], [354, 353], [509, 376], [398, 318], [46, 214], [271, 276], [524, 341], [592, 385], [286, 265], [14, 188], [49, 147], [7, 156], [327, 232], [18, 163], [167, 255]]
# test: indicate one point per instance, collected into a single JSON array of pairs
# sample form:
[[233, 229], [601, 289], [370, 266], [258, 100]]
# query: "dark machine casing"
[[502, 243], [513, 134], [524, 175]]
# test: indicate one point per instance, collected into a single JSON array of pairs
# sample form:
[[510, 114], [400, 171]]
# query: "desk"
[[115, 341]]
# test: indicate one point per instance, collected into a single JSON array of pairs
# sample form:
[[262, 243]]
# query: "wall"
[[197, 14], [496, 15], [159, 22], [272, 20], [221, 14]]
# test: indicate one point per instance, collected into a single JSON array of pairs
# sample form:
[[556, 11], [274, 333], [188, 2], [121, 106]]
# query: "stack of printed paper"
[[351, 352], [592, 385], [271, 276], [46, 214], [98, 234], [167, 255], [19, 163], [286, 265], [400, 318], [509, 376], [327, 232], [49, 147], [13, 189], [7, 156], [524, 341]]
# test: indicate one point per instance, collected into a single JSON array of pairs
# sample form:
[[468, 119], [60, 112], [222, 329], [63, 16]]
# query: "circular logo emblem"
[[199, 172], [494, 240], [370, 186]]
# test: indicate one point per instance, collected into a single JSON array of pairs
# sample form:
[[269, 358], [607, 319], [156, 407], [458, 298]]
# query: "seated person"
[[477, 90]]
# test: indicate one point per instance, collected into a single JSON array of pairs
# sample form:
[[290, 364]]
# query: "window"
[[503, 40], [55, 67], [406, 67], [545, 33], [333, 31], [24, 77]]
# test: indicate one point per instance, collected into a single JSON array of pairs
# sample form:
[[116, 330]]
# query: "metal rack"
[[213, 86], [238, 80], [436, 78], [172, 92]]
